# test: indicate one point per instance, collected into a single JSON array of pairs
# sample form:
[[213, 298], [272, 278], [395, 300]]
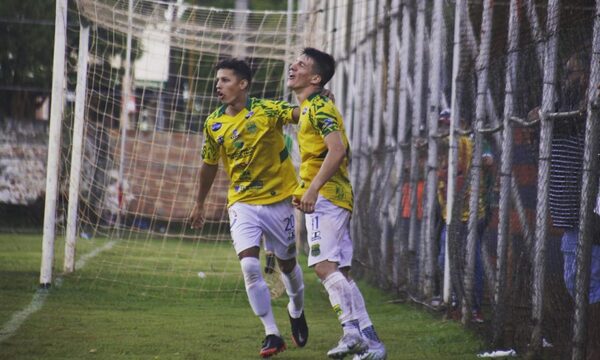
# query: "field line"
[[18, 318]]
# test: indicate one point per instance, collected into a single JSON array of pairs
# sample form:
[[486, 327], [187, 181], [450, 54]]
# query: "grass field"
[[143, 299]]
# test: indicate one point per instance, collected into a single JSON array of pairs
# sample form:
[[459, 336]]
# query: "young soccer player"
[[247, 134], [325, 195]]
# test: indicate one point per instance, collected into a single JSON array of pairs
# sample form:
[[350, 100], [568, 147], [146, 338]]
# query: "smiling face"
[[229, 87], [301, 75]]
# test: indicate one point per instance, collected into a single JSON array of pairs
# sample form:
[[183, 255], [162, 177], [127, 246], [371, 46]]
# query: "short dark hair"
[[324, 64], [240, 68]]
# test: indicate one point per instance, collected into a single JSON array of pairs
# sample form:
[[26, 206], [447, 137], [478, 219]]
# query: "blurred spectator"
[[566, 166], [465, 155]]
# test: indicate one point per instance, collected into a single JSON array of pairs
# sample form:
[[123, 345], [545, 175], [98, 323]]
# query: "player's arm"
[[336, 151], [206, 177]]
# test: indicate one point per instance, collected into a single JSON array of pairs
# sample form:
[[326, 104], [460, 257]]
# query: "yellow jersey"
[[463, 189], [251, 145], [318, 118]]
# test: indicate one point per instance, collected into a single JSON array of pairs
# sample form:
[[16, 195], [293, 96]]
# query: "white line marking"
[[12, 325]]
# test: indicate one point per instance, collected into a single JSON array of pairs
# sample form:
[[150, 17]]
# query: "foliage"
[[26, 40]]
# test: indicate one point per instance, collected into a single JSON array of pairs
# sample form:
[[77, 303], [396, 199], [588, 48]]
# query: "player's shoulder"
[[317, 100], [267, 104], [216, 114]]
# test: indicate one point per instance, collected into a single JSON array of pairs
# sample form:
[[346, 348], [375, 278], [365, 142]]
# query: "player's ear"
[[315, 80], [244, 84]]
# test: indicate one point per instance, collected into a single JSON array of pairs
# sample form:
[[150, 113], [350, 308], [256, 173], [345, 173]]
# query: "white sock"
[[294, 287], [340, 297], [359, 307], [360, 312], [258, 294]]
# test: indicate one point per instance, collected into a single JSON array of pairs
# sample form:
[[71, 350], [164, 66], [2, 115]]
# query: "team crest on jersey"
[[220, 140], [216, 126], [238, 144], [315, 250], [337, 309], [251, 127], [248, 115]]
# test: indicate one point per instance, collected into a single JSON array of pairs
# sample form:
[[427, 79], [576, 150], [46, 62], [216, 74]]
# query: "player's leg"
[[325, 229], [278, 224], [246, 235]]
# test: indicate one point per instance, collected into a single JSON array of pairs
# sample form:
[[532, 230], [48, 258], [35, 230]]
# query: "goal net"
[[145, 102]]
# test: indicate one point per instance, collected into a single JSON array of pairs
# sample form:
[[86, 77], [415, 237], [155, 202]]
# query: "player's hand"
[[308, 201], [197, 216], [329, 94], [295, 202]]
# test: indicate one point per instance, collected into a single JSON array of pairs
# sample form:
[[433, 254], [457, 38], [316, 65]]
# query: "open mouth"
[[220, 95]]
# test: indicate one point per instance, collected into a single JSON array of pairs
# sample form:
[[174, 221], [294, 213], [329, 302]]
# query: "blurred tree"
[[26, 44]]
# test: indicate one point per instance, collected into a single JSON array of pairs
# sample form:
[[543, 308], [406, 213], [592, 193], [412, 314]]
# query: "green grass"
[[143, 299]]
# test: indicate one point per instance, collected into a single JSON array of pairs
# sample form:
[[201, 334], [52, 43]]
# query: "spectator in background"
[[465, 154], [566, 165]]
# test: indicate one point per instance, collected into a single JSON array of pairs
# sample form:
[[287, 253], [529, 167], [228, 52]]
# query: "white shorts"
[[328, 232], [248, 223]]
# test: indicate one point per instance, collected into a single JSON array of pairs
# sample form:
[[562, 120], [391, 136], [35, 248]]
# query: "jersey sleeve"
[[210, 148], [325, 118], [282, 111]]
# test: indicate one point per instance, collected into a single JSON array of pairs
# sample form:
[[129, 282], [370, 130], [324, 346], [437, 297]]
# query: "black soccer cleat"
[[272, 345], [299, 330]]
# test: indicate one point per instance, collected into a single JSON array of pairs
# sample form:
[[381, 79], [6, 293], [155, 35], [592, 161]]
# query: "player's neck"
[[236, 106], [303, 94]]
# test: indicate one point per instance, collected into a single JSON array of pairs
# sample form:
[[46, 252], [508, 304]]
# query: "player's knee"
[[251, 271], [325, 268]]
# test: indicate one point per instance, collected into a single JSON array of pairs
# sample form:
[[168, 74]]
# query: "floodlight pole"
[[56, 112], [77, 152]]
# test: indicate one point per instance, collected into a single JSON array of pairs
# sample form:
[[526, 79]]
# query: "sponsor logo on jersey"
[[216, 126], [248, 115], [235, 134], [315, 250], [304, 110], [256, 184], [316, 235]]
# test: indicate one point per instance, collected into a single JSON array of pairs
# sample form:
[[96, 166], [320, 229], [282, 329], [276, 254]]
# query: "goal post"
[[137, 85], [52, 168]]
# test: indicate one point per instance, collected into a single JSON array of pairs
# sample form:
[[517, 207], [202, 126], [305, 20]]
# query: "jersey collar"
[[222, 108], [313, 95]]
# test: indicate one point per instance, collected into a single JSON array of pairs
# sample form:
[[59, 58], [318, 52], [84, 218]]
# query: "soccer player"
[[247, 134], [325, 196]]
